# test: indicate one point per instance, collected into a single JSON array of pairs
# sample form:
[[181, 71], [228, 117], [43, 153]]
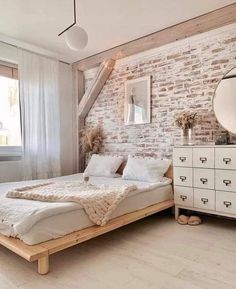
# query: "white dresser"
[[205, 179]]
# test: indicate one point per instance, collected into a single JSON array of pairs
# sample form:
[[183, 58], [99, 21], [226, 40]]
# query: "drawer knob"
[[183, 178], [203, 180], [227, 182], [183, 197], [203, 160], [182, 159], [227, 160], [227, 204], [204, 200]]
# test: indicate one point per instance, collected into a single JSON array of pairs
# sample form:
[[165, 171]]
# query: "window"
[[10, 124]]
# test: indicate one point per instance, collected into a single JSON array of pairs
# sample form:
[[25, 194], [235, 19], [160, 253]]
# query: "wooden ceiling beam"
[[203, 23], [87, 101], [95, 87]]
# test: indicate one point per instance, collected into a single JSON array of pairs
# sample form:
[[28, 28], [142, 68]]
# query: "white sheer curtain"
[[39, 97]]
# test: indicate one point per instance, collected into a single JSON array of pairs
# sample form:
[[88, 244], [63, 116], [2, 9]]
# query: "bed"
[[53, 227]]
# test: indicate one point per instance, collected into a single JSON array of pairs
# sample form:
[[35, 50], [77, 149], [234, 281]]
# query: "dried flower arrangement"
[[92, 140], [186, 119]]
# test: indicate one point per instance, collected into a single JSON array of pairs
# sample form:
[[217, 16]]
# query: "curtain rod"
[[40, 54]]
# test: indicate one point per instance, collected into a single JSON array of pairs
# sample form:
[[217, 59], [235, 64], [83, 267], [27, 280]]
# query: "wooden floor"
[[155, 252]]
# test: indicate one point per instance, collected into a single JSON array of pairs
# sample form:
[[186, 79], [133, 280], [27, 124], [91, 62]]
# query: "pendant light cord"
[[72, 23]]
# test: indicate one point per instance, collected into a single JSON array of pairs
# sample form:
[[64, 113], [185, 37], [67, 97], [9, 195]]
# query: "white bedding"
[[44, 221]]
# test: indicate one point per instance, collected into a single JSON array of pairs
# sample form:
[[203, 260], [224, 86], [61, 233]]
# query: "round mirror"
[[224, 102]]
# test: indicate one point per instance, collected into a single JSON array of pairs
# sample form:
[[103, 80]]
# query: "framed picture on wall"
[[137, 101]]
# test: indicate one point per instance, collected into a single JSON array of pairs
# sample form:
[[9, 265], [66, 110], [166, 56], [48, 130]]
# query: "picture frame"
[[137, 107]]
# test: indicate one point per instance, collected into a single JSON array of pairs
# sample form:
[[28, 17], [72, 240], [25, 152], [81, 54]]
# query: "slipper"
[[183, 220], [194, 221]]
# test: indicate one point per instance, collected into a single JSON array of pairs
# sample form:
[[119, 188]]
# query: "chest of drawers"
[[205, 179]]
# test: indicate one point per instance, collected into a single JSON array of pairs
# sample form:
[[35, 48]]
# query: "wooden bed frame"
[[42, 251]]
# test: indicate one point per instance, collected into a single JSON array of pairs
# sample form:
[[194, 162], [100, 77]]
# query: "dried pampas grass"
[[92, 140], [186, 119]]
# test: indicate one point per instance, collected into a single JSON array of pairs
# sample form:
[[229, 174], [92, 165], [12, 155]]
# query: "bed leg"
[[43, 265], [176, 212]]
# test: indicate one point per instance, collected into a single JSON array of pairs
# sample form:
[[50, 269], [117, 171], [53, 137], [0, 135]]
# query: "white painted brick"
[[183, 77]]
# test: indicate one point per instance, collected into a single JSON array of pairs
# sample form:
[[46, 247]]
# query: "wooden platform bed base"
[[42, 251]]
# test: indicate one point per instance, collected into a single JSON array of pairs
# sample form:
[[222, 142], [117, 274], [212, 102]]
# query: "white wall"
[[8, 53], [11, 170]]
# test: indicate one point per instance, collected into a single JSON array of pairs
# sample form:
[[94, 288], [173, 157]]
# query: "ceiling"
[[108, 22]]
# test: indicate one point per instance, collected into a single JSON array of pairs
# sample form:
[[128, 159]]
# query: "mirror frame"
[[213, 98]]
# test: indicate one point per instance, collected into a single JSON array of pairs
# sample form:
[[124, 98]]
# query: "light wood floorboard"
[[155, 252]]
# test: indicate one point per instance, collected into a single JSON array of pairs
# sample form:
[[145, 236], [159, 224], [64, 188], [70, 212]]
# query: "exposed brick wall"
[[184, 76]]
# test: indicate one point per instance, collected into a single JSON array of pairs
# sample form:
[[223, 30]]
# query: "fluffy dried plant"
[[186, 119], [92, 140]]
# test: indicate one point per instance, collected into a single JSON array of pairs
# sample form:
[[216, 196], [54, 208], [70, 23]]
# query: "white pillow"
[[146, 170], [103, 166]]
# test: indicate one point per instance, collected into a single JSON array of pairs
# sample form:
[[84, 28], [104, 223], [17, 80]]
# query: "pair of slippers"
[[192, 221]]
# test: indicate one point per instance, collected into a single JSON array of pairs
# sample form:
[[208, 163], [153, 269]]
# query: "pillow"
[[146, 170], [103, 166]]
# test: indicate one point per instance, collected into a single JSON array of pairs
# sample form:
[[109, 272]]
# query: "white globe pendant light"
[[76, 37]]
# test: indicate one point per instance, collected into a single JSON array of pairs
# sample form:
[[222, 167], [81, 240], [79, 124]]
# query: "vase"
[[187, 137]]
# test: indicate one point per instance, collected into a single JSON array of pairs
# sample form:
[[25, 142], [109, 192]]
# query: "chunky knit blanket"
[[99, 202]]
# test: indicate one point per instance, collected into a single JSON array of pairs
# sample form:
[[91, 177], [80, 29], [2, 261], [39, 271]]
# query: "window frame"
[[8, 153]]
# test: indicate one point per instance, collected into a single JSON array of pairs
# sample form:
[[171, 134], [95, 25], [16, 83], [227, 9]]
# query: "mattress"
[[59, 219]]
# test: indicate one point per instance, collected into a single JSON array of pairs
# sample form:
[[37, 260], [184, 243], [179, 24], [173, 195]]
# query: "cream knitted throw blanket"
[[99, 202]]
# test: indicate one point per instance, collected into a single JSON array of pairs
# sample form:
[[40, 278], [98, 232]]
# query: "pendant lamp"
[[76, 37]]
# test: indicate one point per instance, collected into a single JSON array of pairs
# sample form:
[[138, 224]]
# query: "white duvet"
[[18, 216]]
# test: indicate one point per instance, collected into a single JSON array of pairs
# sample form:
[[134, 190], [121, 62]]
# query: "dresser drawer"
[[226, 180], [226, 202], [183, 176], [225, 158], [182, 157], [203, 157], [204, 199], [183, 196], [204, 178]]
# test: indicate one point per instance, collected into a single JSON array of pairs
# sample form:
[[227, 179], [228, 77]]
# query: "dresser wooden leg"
[[176, 213], [43, 265]]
